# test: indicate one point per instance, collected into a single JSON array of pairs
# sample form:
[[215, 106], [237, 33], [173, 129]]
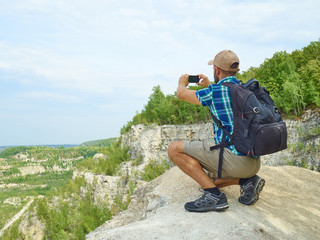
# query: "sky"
[[73, 71]]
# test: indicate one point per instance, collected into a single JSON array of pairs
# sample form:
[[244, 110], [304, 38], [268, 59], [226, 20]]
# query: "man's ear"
[[218, 71]]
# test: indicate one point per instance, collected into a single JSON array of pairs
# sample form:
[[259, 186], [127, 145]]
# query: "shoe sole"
[[207, 209], [258, 189]]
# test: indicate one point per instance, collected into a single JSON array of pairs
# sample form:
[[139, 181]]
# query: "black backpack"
[[258, 126]]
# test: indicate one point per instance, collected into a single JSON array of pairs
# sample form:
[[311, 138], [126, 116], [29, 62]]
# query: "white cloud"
[[113, 53], [52, 96], [54, 69]]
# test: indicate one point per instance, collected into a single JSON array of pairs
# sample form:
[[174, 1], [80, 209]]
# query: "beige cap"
[[226, 60]]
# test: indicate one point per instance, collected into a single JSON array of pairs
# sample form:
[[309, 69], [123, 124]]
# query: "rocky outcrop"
[[31, 170], [288, 209], [303, 143], [31, 226], [151, 142], [104, 188], [156, 209]]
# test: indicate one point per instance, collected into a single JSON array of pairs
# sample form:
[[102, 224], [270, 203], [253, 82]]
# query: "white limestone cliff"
[[288, 207], [151, 142]]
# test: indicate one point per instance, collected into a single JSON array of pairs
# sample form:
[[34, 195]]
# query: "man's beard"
[[216, 78]]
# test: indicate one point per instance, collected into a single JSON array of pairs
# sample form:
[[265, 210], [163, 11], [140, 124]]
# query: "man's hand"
[[184, 93], [204, 80], [184, 80]]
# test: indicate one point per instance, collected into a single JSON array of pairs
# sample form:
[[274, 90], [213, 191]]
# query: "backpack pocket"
[[268, 138]]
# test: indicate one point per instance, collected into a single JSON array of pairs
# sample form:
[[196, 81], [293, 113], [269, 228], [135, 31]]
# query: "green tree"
[[292, 79], [274, 72], [310, 73]]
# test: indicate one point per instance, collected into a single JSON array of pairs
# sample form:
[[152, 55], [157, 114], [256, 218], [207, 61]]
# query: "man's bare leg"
[[189, 165], [192, 167], [220, 183]]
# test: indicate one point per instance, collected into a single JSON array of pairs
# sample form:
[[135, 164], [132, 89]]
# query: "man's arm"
[[184, 93], [188, 95]]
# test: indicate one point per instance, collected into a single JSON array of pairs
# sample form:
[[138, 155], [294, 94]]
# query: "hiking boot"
[[208, 202], [249, 192]]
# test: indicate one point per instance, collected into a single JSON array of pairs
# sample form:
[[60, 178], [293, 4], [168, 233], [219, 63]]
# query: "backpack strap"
[[251, 81], [223, 143], [220, 125]]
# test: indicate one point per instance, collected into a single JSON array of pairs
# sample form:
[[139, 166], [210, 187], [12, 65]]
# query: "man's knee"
[[174, 148]]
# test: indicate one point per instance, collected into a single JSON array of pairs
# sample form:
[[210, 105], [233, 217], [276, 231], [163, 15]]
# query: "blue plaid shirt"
[[218, 98]]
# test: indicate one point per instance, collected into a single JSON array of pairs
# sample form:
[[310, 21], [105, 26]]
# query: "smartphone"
[[193, 79]]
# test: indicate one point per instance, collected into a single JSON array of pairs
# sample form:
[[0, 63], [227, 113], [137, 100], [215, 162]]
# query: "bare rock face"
[[16, 201], [288, 209], [105, 188], [31, 227], [303, 143], [151, 142], [31, 170]]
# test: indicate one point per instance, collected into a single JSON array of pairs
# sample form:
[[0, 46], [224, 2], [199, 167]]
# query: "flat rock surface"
[[289, 208]]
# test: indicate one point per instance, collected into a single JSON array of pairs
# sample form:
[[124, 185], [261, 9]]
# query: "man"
[[192, 157]]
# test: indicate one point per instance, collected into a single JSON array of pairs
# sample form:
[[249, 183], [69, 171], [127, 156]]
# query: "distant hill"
[[2, 148], [52, 145], [99, 143]]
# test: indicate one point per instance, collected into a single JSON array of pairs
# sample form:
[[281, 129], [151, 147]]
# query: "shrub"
[[154, 169], [115, 155], [11, 171], [168, 109], [72, 216], [292, 79]]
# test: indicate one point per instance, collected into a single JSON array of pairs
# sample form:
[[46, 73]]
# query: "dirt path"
[[16, 217]]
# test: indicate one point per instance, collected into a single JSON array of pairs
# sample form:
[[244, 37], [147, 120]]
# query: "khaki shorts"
[[233, 166]]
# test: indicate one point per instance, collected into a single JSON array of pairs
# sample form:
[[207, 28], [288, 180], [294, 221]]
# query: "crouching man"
[[192, 157]]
